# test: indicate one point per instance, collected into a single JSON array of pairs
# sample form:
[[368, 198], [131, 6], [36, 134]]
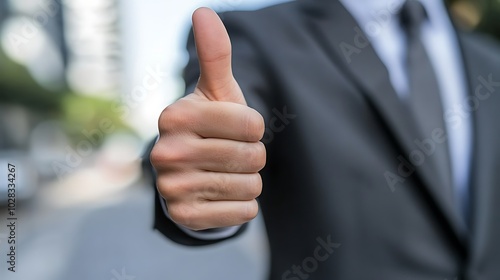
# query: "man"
[[379, 124]]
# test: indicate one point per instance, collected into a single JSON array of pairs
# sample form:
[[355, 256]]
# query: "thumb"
[[214, 53]]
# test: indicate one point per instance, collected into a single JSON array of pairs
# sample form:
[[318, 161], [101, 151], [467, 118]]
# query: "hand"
[[208, 155]]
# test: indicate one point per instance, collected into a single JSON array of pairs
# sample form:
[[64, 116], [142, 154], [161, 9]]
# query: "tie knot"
[[412, 15]]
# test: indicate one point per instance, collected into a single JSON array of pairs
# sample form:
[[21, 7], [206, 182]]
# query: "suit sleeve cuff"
[[208, 234]]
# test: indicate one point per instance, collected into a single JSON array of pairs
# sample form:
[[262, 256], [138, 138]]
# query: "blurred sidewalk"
[[110, 237]]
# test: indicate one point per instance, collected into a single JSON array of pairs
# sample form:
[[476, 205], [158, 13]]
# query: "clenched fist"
[[208, 155]]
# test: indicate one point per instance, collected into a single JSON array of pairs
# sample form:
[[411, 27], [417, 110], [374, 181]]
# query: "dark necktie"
[[424, 99]]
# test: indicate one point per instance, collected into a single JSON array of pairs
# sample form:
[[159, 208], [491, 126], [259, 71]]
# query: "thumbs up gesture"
[[208, 155]]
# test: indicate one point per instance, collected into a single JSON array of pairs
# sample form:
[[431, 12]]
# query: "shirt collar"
[[385, 10]]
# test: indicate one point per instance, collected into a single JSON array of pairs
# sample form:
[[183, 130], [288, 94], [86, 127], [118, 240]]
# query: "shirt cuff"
[[208, 234]]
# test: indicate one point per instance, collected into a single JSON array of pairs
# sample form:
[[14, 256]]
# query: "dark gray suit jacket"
[[341, 199]]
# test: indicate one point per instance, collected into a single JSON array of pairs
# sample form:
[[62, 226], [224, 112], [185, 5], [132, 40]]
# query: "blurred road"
[[112, 239]]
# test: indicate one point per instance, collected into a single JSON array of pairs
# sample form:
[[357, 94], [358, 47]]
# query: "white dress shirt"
[[379, 21]]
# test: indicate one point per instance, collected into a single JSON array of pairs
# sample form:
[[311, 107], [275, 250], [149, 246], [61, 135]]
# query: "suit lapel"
[[483, 185], [370, 74]]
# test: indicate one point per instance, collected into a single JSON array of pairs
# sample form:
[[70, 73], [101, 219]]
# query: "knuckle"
[[175, 116], [257, 156], [171, 189], [167, 155], [156, 155], [254, 124], [182, 214], [220, 186], [255, 188], [166, 119], [251, 210]]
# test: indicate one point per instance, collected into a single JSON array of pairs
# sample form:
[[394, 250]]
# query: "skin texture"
[[208, 155]]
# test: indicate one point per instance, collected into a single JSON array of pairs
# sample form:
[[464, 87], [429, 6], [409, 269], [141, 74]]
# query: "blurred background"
[[82, 83]]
